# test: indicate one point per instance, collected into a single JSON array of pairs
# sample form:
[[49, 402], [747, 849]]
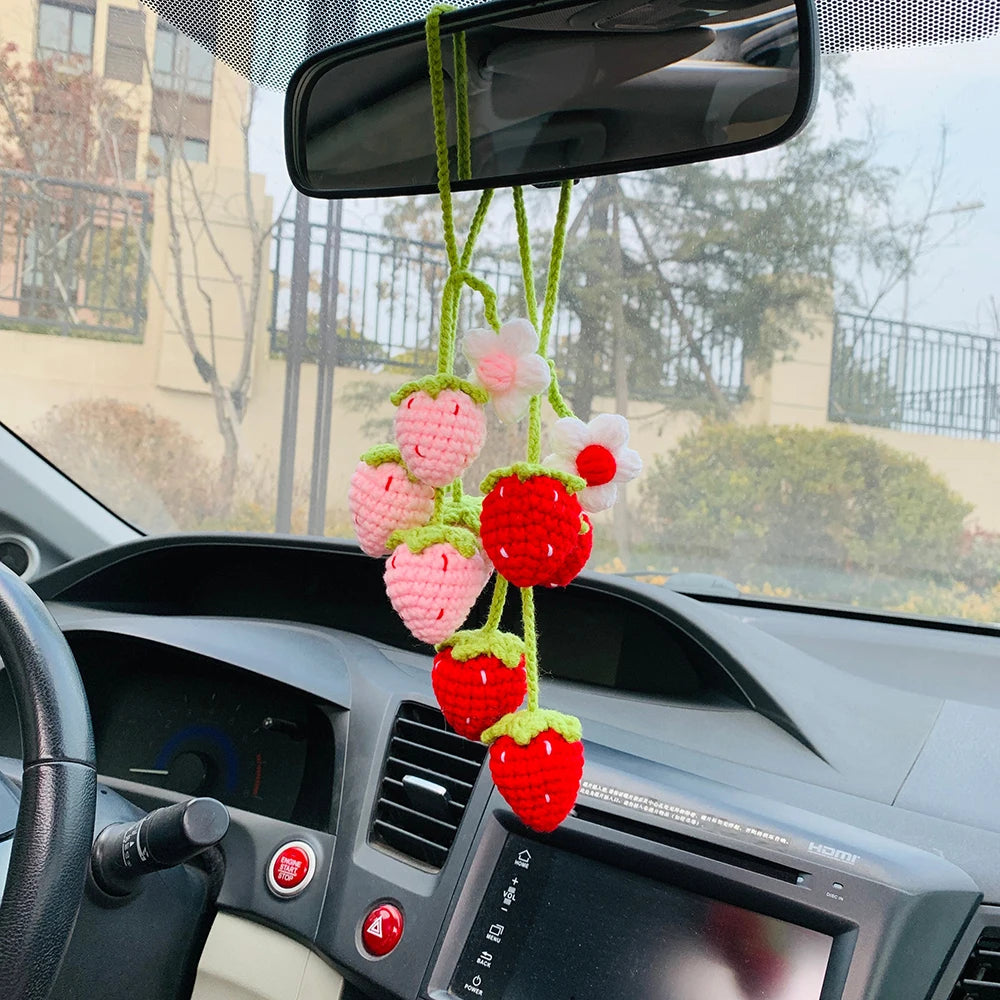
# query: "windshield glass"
[[805, 341]]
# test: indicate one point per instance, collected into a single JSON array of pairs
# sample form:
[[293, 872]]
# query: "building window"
[[65, 33], [181, 65], [126, 49], [192, 150]]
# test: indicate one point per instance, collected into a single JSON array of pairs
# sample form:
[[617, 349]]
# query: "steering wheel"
[[55, 822]]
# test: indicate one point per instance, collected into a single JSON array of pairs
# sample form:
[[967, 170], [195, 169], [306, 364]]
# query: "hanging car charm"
[[531, 526]]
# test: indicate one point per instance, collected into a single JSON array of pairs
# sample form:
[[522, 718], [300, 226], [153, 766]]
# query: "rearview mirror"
[[555, 90]]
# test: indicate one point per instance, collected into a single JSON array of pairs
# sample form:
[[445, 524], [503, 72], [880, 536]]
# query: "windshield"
[[805, 341]]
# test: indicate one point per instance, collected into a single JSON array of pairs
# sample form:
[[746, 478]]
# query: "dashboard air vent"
[[426, 783], [980, 977]]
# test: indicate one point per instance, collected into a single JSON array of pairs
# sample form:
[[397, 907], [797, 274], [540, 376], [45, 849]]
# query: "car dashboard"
[[777, 804]]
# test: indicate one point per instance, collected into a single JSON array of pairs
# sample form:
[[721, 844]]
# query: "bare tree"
[[889, 249], [189, 209]]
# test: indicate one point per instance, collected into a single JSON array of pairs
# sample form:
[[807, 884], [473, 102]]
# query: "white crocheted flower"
[[599, 453], [507, 366]]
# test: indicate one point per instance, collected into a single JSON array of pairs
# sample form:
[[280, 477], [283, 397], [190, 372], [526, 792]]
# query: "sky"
[[908, 94]]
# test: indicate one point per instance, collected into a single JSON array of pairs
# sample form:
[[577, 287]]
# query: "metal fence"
[[73, 257], [389, 297], [911, 377], [388, 311]]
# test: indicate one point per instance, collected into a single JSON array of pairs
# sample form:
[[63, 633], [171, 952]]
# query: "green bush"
[[144, 466], [753, 496]]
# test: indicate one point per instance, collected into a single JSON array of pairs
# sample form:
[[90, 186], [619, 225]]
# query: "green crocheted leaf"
[[418, 539], [468, 644], [434, 385], [382, 453], [465, 512], [523, 727], [527, 470]]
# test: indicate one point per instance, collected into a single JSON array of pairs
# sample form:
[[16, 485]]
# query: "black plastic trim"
[[857, 614]]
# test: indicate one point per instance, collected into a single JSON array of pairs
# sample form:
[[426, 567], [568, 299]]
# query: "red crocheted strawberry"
[[478, 678], [536, 759], [577, 559], [530, 522]]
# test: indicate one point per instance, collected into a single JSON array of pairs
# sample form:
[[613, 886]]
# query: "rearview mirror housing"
[[557, 90]]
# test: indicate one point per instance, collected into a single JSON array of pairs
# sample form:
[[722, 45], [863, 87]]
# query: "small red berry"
[[540, 781], [577, 559], [476, 693], [529, 528]]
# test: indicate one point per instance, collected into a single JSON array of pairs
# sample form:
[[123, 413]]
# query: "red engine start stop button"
[[291, 868], [382, 929]]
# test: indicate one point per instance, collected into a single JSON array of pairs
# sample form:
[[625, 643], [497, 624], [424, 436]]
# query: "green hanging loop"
[[435, 64], [453, 291], [548, 304], [463, 135], [496, 604], [555, 265], [530, 645], [524, 253]]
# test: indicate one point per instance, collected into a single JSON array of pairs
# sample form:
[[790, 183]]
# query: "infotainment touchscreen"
[[557, 926]]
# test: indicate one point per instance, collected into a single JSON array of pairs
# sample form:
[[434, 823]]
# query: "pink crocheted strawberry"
[[536, 759], [478, 678], [383, 498], [433, 578], [440, 427], [530, 522], [577, 559]]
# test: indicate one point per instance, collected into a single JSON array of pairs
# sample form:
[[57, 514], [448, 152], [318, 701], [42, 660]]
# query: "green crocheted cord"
[[528, 470], [417, 539], [456, 518], [548, 306], [523, 727], [434, 385], [458, 266], [470, 643]]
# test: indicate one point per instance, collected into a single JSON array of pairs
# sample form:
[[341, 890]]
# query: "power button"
[[382, 929], [291, 868]]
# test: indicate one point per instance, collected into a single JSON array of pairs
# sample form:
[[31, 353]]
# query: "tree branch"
[[683, 323]]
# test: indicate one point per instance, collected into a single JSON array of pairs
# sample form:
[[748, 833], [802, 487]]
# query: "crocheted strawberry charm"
[[384, 497], [440, 427], [478, 678], [536, 759], [530, 522], [577, 559], [433, 578]]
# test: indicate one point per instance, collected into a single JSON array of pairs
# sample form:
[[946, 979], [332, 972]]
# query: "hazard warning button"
[[382, 929]]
